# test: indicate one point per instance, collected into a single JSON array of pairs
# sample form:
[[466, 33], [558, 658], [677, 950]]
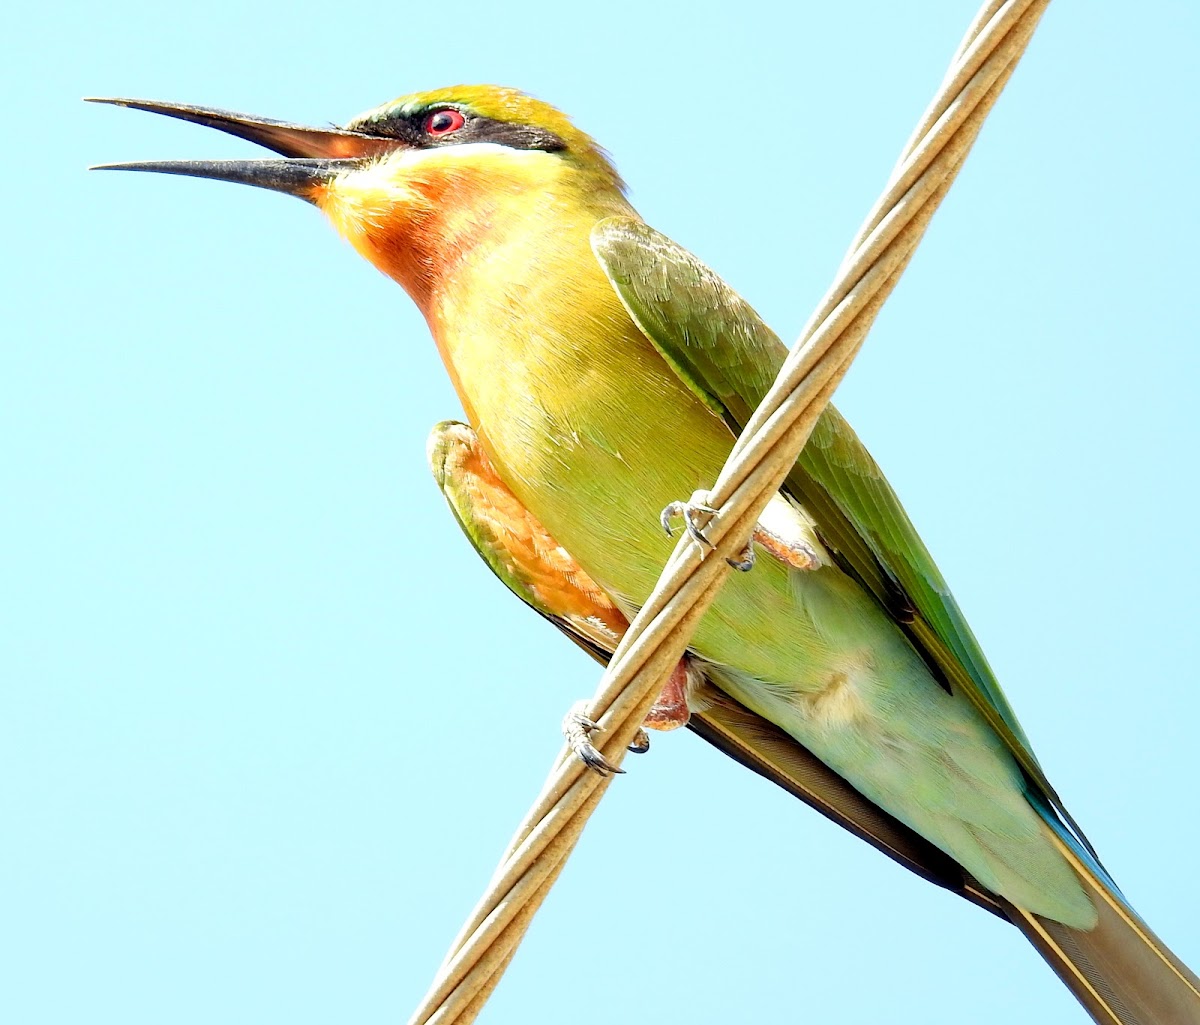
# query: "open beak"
[[312, 156]]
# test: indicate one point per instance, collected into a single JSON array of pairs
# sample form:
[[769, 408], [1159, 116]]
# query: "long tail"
[[1120, 971]]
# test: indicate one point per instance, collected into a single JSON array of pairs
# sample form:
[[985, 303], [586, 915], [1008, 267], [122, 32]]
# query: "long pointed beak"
[[313, 156]]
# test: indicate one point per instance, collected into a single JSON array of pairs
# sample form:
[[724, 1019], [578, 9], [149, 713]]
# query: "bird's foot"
[[695, 513], [797, 554], [640, 743], [578, 727], [744, 563], [669, 712]]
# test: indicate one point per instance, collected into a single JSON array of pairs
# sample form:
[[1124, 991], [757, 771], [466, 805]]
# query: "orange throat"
[[418, 230], [488, 242]]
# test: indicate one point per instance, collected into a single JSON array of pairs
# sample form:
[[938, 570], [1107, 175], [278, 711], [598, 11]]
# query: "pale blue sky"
[[267, 722]]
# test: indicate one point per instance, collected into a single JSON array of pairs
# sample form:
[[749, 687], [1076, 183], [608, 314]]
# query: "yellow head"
[[473, 164], [417, 185], [466, 114]]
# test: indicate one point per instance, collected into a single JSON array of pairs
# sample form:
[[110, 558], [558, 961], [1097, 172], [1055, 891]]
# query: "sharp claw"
[[687, 511], [641, 742], [595, 761], [746, 563], [668, 514], [694, 532], [577, 727]]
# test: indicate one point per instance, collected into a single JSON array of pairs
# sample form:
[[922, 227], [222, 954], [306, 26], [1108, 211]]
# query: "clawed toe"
[[691, 512], [577, 727], [745, 561], [640, 743]]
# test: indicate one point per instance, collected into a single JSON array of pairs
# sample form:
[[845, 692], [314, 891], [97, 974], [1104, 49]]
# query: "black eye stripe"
[[401, 128], [413, 130], [507, 133]]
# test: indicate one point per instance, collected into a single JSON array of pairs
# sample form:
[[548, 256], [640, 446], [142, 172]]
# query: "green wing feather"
[[731, 728], [1096, 965], [729, 357]]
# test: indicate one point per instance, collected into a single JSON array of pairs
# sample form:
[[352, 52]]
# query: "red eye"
[[443, 122]]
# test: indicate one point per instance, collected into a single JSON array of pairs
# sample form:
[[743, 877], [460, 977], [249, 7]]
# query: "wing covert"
[[728, 356], [528, 560]]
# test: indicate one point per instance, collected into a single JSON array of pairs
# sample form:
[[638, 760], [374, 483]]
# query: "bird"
[[605, 372]]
